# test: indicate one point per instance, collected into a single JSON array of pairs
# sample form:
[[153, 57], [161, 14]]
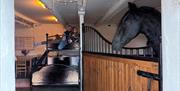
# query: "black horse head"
[[144, 20]]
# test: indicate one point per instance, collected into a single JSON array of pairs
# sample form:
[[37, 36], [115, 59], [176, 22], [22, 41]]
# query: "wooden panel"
[[102, 73]]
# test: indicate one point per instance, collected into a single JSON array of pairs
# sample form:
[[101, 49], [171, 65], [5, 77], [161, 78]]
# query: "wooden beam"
[[18, 14]]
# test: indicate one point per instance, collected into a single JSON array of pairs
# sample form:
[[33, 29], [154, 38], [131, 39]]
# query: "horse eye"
[[127, 22]]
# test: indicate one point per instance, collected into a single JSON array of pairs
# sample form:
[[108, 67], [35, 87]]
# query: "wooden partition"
[[106, 73]]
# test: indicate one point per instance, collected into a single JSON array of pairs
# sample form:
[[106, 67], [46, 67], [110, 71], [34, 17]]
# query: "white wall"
[[109, 31], [171, 44], [39, 34], [7, 50]]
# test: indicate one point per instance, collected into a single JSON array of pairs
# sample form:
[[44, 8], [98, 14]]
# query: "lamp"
[[40, 3], [25, 52]]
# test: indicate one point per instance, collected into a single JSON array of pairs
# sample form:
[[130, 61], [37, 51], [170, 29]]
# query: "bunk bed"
[[57, 67]]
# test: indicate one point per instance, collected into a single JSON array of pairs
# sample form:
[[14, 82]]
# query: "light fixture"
[[54, 18], [51, 18], [40, 3], [24, 22]]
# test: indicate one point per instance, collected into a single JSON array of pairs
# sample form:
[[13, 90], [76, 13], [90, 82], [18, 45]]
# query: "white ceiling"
[[151, 3], [32, 10], [68, 13], [97, 11]]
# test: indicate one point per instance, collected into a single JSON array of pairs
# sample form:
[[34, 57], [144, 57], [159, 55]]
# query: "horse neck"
[[153, 36], [152, 29]]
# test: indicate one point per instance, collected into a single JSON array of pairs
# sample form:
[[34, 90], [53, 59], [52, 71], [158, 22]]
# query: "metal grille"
[[94, 42]]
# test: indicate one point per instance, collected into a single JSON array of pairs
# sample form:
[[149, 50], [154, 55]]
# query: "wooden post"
[[7, 47], [171, 44]]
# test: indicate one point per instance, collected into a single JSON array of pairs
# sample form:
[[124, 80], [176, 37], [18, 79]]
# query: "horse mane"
[[144, 10], [148, 21], [150, 11]]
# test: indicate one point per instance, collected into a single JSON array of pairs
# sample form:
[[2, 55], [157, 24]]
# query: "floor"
[[63, 88], [68, 77], [56, 74], [23, 85]]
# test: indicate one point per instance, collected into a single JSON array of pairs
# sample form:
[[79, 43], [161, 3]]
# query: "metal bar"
[[131, 51], [90, 40], [101, 45], [144, 52], [148, 75], [89, 46], [81, 16], [85, 39], [160, 71], [149, 84], [125, 51], [98, 44], [152, 52], [94, 41], [47, 41], [137, 52], [121, 52], [116, 52], [106, 47], [111, 51]]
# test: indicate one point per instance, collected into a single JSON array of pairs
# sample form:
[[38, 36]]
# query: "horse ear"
[[132, 6]]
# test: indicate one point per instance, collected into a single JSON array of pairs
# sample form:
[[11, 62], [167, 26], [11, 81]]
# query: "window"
[[24, 43]]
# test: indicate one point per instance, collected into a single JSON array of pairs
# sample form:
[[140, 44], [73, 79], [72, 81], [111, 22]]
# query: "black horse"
[[144, 20]]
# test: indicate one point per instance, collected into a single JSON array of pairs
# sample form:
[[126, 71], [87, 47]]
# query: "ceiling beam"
[[114, 10], [25, 21], [25, 17]]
